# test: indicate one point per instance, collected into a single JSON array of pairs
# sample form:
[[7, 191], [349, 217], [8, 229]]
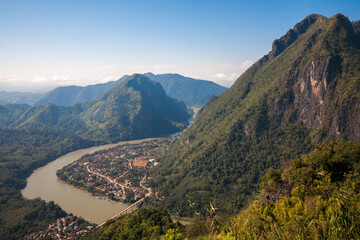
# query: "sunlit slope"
[[305, 91]]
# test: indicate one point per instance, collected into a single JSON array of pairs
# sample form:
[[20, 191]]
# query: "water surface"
[[44, 183]]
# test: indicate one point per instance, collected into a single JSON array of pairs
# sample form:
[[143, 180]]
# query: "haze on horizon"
[[45, 44]]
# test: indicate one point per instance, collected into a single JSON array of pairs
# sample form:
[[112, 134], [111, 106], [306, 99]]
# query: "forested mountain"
[[193, 92], [19, 97], [305, 91], [69, 95], [32, 137], [136, 108]]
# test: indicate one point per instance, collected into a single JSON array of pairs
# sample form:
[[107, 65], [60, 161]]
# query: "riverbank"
[[43, 183]]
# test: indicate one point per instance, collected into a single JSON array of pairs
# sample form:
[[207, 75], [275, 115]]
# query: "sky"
[[50, 43]]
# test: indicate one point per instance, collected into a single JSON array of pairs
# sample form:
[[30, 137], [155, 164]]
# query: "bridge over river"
[[123, 212]]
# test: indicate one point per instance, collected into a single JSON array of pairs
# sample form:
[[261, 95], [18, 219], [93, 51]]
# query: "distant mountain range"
[[136, 108], [304, 92], [191, 91]]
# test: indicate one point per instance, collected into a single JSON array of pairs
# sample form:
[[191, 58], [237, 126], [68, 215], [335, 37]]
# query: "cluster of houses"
[[69, 227], [115, 173]]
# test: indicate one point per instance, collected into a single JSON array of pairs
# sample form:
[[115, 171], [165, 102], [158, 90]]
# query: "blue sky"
[[47, 43]]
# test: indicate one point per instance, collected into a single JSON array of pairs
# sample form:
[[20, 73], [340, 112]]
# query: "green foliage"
[[143, 224], [22, 151], [321, 201], [229, 172], [173, 234]]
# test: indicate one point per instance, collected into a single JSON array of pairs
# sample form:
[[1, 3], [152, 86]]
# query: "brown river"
[[43, 183]]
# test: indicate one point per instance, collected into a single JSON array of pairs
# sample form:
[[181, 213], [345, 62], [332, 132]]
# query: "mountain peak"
[[142, 83], [340, 23], [139, 78], [340, 17], [149, 74], [279, 45], [136, 108], [302, 26]]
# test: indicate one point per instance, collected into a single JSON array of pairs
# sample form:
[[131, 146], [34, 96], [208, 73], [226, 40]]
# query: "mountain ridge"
[[277, 110], [175, 85], [121, 114]]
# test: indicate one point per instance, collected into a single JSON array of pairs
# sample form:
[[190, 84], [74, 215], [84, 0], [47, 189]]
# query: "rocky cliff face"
[[319, 84]]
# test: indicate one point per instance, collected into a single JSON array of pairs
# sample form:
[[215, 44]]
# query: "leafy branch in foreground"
[[316, 197]]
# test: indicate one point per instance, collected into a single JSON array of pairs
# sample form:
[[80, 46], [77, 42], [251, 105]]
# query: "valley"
[[274, 156], [119, 173], [44, 184]]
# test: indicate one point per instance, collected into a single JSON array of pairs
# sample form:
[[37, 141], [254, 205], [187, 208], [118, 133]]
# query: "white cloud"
[[245, 65], [219, 75], [108, 79], [224, 74], [35, 83]]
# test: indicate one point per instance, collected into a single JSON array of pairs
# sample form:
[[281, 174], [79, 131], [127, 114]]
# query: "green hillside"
[[305, 91], [136, 108], [143, 224], [316, 197]]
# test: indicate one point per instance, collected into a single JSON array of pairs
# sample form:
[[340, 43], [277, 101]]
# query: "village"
[[70, 227], [117, 174]]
